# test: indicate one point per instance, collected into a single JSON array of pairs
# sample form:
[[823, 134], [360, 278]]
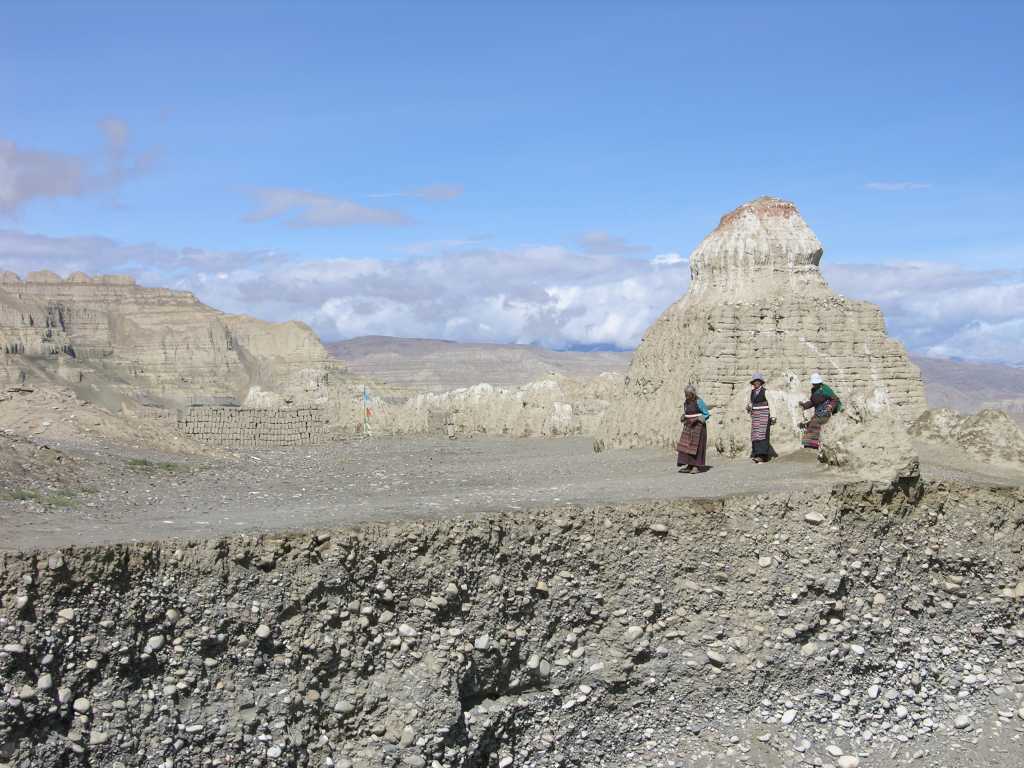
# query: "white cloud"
[[311, 209], [432, 192], [982, 340], [29, 174], [669, 259], [942, 308], [896, 186], [23, 252], [538, 294], [599, 242]]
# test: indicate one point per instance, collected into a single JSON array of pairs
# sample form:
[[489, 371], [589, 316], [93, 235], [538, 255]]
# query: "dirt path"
[[134, 496]]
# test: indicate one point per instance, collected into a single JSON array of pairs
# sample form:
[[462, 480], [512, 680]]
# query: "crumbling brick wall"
[[253, 427]]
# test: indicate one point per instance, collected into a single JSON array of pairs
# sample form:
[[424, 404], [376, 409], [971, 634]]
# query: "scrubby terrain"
[[860, 625]]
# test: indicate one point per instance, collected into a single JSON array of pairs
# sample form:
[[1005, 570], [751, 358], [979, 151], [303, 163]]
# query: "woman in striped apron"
[[692, 446], [760, 421]]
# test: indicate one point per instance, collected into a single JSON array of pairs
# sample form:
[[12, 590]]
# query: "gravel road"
[[137, 496]]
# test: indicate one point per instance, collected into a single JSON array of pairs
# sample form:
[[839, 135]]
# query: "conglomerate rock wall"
[[112, 339], [855, 626], [758, 302]]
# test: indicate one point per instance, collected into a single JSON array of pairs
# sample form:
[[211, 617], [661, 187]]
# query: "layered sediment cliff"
[[115, 339], [758, 302]]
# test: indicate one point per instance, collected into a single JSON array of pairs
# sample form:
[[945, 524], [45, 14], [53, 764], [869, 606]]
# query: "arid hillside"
[[112, 340]]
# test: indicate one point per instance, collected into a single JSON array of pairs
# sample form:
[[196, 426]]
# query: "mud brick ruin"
[[253, 427]]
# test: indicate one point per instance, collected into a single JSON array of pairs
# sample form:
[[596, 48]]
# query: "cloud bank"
[[30, 174], [602, 243], [433, 192], [549, 295], [310, 209]]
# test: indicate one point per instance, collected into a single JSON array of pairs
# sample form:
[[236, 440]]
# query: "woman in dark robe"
[[760, 422], [692, 447], [825, 403]]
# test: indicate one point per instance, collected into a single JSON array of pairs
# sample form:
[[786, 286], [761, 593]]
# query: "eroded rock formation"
[[113, 340], [757, 301], [556, 406], [989, 435]]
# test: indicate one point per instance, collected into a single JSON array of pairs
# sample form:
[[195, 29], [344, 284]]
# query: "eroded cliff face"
[[855, 626], [758, 302], [114, 339]]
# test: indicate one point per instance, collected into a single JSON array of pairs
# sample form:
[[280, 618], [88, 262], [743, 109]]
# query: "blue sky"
[[533, 160]]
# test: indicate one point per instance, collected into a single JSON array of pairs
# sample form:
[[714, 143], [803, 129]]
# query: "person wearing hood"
[[761, 449], [691, 449], [824, 402]]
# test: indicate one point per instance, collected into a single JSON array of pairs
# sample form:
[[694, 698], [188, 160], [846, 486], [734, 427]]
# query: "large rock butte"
[[758, 302], [113, 340]]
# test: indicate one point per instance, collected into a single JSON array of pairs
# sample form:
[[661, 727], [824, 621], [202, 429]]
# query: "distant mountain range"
[[970, 387], [430, 365], [437, 366]]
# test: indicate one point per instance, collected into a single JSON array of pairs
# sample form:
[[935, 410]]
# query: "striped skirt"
[[812, 431], [760, 419], [691, 448], [689, 438]]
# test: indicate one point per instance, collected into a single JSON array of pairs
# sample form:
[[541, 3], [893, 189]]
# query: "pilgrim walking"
[[824, 402], [693, 440], [761, 449]]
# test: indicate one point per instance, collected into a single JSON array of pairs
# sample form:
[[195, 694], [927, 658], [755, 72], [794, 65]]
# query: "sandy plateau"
[[489, 577]]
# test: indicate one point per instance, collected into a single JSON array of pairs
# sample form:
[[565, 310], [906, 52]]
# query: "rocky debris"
[[35, 471], [989, 435], [757, 301], [433, 643], [55, 414]]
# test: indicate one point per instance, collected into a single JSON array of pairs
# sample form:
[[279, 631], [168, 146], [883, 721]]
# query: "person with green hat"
[[824, 402]]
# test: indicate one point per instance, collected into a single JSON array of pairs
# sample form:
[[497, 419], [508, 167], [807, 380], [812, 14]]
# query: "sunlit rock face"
[[114, 339], [758, 302]]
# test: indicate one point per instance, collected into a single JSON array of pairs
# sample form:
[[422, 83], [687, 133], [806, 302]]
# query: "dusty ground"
[[135, 494]]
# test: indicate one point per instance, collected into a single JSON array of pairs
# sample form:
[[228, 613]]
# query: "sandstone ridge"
[[113, 340], [758, 302]]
